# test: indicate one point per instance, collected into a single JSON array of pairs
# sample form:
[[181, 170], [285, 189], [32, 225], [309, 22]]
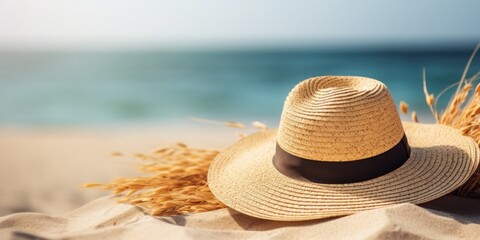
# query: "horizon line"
[[355, 47]]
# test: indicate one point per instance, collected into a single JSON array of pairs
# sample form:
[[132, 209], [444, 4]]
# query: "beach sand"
[[446, 218], [42, 169]]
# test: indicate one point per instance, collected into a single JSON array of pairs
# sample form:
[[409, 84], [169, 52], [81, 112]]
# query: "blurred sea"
[[99, 88]]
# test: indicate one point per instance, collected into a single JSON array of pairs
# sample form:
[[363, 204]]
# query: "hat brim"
[[243, 177]]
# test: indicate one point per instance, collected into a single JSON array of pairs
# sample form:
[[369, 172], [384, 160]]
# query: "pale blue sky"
[[207, 23]]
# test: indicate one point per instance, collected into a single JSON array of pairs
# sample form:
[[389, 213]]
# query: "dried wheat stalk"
[[178, 184], [404, 107], [463, 113]]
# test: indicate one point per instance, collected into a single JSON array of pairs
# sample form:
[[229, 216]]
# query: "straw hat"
[[340, 148]]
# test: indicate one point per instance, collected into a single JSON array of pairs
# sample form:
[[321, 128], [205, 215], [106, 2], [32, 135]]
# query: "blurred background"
[[79, 79]]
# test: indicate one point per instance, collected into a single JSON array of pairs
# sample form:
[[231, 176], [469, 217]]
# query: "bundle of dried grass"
[[178, 184], [462, 112]]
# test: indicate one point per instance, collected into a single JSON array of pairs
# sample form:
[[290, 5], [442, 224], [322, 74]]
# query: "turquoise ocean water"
[[98, 88]]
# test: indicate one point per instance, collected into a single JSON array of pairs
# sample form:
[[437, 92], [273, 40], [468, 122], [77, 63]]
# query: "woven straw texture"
[[244, 178], [339, 119]]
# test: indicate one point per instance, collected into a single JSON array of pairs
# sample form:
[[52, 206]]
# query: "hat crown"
[[339, 118]]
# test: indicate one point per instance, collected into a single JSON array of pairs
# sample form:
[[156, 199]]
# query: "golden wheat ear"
[[462, 112], [177, 181]]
